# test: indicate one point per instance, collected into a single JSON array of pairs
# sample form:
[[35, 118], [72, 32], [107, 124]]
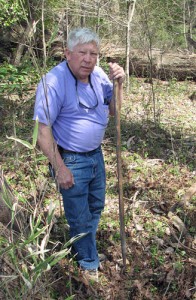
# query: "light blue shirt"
[[57, 104]]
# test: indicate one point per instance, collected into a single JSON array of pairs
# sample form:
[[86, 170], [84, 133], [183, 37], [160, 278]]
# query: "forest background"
[[154, 40]]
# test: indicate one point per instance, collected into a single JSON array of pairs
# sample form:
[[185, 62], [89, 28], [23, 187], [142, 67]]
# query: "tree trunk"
[[24, 38], [131, 9]]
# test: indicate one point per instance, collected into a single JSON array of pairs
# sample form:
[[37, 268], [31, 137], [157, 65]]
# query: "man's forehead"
[[87, 45]]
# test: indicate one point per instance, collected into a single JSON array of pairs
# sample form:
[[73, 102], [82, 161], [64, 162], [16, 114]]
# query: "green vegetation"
[[158, 128], [158, 163]]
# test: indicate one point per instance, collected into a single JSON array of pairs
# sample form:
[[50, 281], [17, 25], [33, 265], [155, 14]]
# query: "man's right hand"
[[64, 177]]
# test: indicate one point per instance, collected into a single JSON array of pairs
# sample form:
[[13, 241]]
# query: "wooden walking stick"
[[119, 170]]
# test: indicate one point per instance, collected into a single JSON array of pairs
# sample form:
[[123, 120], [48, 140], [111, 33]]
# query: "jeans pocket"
[[69, 158]]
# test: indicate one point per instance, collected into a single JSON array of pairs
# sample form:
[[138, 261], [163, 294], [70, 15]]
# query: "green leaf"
[[43, 157], [70, 298], [24, 143], [34, 236], [75, 239], [50, 215], [35, 132], [51, 260], [12, 79], [4, 71]]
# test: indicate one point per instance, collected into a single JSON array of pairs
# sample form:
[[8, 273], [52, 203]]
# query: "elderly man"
[[73, 103]]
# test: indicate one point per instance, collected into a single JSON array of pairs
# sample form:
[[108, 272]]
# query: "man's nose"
[[88, 57]]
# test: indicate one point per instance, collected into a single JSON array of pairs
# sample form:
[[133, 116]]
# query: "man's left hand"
[[116, 72]]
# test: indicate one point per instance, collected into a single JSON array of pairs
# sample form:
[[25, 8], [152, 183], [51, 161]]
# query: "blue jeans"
[[84, 202]]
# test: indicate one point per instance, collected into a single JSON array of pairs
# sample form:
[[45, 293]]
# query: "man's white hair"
[[81, 36]]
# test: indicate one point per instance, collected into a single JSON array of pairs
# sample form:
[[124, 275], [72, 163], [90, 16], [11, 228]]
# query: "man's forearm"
[[49, 146]]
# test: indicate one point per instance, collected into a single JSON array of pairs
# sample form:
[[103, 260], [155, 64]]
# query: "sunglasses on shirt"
[[82, 105]]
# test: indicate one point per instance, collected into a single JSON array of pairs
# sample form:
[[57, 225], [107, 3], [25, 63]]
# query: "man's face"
[[82, 60]]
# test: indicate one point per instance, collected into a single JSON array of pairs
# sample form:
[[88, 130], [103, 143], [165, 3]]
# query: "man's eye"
[[94, 54]]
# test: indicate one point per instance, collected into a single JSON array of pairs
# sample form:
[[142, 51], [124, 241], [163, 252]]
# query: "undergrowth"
[[158, 167]]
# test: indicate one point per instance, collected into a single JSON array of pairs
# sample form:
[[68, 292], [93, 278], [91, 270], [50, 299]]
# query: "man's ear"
[[67, 54]]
